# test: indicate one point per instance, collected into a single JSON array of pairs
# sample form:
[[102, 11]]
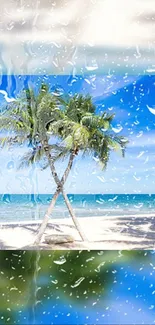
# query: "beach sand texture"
[[114, 233]]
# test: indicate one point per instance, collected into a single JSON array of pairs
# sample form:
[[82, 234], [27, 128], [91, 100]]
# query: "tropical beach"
[[77, 162], [77, 135], [110, 222]]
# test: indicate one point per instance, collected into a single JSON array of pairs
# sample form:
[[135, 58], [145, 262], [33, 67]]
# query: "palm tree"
[[74, 124], [26, 120], [78, 129]]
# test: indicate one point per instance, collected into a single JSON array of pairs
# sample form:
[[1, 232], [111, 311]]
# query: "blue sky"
[[132, 99]]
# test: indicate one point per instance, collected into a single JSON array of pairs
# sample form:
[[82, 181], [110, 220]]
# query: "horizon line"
[[78, 194]]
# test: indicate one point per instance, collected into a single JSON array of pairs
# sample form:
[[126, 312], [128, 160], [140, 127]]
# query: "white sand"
[[113, 233]]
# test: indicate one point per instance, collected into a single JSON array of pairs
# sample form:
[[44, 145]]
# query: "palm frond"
[[60, 153], [10, 123], [47, 113], [102, 144], [123, 142], [68, 142], [31, 157], [80, 136], [12, 140], [6, 141], [108, 117], [79, 105], [94, 121], [43, 91], [61, 127], [61, 101]]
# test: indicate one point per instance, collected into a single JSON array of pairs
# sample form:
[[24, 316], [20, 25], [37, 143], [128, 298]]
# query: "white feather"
[[8, 100], [151, 109]]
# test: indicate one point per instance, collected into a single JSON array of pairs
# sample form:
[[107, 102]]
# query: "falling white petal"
[[151, 109], [8, 100], [118, 129], [60, 262], [77, 283]]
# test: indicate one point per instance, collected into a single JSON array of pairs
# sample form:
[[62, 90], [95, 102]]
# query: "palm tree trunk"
[[46, 218], [63, 180], [50, 160], [59, 189], [70, 209], [68, 169], [74, 218]]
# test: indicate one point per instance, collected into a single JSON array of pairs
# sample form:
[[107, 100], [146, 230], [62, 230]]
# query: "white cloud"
[[123, 23], [34, 33]]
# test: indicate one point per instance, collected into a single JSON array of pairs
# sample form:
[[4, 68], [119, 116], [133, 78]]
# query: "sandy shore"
[[113, 233]]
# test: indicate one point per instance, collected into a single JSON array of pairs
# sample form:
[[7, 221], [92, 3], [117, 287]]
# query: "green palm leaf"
[[71, 119], [31, 157]]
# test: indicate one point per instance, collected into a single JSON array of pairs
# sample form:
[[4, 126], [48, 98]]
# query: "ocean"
[[26, 207]]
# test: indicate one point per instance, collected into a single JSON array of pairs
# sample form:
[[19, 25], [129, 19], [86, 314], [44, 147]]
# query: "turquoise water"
[[19, 207]]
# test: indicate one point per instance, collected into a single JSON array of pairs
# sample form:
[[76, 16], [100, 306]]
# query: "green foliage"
[[80, 129], [78, 106], [73, 122], [61, 271]]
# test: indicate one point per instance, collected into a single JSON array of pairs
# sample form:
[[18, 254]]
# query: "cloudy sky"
[[51, 36], [132, 99]]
